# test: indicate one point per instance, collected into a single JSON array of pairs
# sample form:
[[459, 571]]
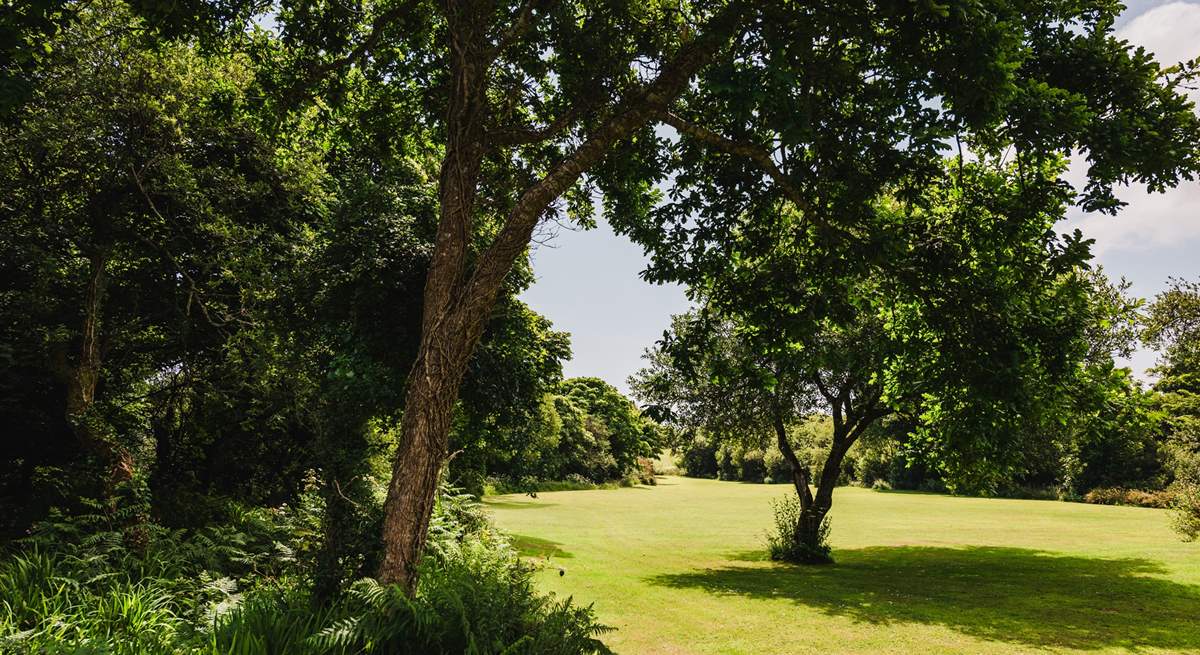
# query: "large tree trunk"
[[452, 319], [429, 404]]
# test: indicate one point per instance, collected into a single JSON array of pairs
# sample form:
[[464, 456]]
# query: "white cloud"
[[1151, 220], [1172, 32]]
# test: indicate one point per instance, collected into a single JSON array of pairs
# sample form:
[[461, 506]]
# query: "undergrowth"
[[75, 585]]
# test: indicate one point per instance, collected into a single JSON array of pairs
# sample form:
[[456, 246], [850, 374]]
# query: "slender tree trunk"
[[812, 512], [808, 531], [847, 429], [83, 376], [808, 528], [799, 472]]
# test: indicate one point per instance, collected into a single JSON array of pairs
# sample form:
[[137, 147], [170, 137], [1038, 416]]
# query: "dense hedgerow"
[[1135, 497], [77, 586]]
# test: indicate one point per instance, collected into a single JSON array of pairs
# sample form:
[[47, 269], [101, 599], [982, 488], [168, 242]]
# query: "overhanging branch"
[[753, 152], [381, 22]]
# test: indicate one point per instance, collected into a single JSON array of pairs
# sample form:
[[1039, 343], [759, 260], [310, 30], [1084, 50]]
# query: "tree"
[[139, 196], [716, 377], [1096, 427], [1172, 326], [536, 104], [927, 335], [847, 115], [610, 414]]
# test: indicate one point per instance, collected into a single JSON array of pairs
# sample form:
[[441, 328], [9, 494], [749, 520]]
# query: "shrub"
[[778, 469], [644, 473], [698, 458], [479, 600], [1135, 497], [752, 467], [1185, 497], [1030, 492], [727, 464], [783, 544]]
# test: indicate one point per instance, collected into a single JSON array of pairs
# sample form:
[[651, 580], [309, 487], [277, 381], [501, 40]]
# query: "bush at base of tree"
[[783, 545]]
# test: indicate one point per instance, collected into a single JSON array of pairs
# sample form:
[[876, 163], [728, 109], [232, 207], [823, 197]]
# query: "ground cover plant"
[[245, 588], [682, 568]]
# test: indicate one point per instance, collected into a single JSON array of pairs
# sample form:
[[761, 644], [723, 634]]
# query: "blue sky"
[[588, 282]]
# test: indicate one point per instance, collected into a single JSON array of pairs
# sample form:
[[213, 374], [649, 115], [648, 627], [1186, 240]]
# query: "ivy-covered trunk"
[[411, 494], [125, 503]]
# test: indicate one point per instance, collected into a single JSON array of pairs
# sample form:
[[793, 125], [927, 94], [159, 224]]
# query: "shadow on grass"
[[1012, 595], [537, 547]]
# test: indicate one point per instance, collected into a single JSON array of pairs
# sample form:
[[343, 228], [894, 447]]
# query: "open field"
[[679, 568]]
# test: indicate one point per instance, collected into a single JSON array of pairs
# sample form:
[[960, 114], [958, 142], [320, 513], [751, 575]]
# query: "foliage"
[[143, 207], [74, 583], [1135, 497], [1185, 497], [1172, 325], [585, 431], [542, 105], [480, 600], [239, 587]]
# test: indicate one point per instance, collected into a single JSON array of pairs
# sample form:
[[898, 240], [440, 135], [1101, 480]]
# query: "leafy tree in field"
[[1098, 428], [535, 106], [879, 339], [1172, 326], [715, 379]]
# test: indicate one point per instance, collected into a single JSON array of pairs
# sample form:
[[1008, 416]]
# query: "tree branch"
[[381, 22], [630, 114], [519, 136], [754, 153], [194, 291], [520, 25]]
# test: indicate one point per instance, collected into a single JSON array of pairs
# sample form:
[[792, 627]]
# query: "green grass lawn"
[[680, 568]]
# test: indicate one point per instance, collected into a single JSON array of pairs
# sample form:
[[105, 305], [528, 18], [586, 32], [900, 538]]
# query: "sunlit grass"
[[679, 568]]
